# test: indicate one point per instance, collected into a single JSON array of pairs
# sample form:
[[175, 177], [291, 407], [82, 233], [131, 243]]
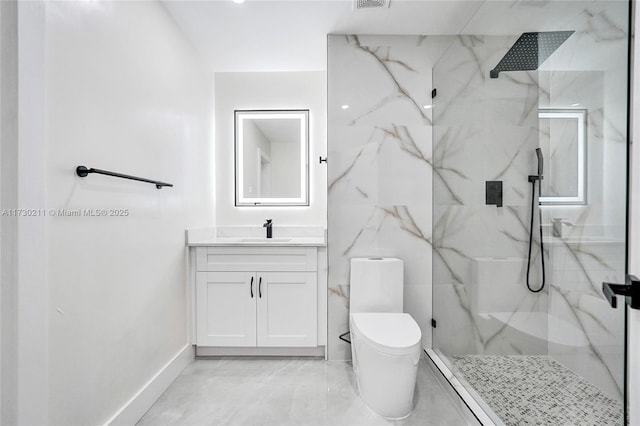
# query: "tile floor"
[[295, 391]]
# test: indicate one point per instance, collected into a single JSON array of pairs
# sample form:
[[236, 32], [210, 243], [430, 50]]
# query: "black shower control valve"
[[493, 193], [630, 289]]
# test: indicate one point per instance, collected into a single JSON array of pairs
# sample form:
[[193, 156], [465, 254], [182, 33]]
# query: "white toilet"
[[385, 342]]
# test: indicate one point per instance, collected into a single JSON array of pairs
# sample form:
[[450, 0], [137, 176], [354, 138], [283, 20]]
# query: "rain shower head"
[[530, 51]]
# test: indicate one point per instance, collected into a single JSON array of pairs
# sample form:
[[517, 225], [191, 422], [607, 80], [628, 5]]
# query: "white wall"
[[24, 282], [125, 93], [633, 318], [8, 228], [252, 91], [30, 252]]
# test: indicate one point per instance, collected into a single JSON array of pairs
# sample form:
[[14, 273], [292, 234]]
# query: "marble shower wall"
[[487, 129], [585, 333], [380, 167], [590, 72], [484, 130]]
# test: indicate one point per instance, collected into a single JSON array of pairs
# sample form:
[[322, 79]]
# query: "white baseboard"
[[203, 351], [140, 403]]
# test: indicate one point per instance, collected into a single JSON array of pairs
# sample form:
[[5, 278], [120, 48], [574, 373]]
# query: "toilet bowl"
[[385, 349], [385, 342]]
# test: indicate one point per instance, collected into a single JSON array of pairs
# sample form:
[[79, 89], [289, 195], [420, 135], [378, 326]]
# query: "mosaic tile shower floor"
[[527, 390]]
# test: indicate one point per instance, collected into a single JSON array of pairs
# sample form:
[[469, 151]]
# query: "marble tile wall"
[[484, 130], [487, 129], [380, 167], [577, 269], [387, 151], [590, 72]]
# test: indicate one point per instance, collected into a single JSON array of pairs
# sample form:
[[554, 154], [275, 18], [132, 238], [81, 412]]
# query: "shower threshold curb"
[[462, 392]]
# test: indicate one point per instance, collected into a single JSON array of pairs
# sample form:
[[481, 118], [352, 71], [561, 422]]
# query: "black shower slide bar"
[[82, 171]]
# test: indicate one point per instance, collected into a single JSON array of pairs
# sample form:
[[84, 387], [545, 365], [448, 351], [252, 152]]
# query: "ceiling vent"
[[370, 4]]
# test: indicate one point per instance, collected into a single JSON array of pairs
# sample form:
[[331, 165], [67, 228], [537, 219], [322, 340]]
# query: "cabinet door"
[[226, 309], [287, 309]]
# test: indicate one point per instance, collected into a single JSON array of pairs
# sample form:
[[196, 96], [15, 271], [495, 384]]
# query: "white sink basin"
[[264, 240]]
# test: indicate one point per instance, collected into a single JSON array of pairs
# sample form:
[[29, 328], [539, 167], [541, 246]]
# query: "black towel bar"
[[82, 171]]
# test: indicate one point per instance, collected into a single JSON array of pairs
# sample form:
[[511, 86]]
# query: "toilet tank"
[[376, 285]]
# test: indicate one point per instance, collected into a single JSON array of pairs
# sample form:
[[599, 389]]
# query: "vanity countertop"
[[252, 236]]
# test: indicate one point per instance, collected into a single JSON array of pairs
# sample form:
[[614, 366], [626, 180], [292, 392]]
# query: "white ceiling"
[[291, 35], [277, 35]]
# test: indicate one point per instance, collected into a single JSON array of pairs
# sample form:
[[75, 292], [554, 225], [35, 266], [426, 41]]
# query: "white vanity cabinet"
[[256, 297]]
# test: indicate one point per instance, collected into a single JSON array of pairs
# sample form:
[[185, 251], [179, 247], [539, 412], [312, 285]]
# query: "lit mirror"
[[563, 141], [272, 158]]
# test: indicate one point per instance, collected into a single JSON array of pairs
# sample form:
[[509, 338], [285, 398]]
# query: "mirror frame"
[[580, 115], [239, 116]]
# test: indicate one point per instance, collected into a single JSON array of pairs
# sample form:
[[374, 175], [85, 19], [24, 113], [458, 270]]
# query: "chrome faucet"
[[269, 227], [557, 226]]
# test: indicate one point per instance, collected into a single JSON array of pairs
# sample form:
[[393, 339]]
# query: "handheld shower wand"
[[533, 179], [539, 176], [540, 162]]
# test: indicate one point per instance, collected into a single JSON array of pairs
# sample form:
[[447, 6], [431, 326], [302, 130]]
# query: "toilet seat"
[[389, 333]]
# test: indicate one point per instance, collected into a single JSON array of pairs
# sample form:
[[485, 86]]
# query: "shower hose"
[[533, 180]]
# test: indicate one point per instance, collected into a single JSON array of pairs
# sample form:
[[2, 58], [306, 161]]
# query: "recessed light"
[[428, 106], [238, 1], [576, 104], [345, 107]]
